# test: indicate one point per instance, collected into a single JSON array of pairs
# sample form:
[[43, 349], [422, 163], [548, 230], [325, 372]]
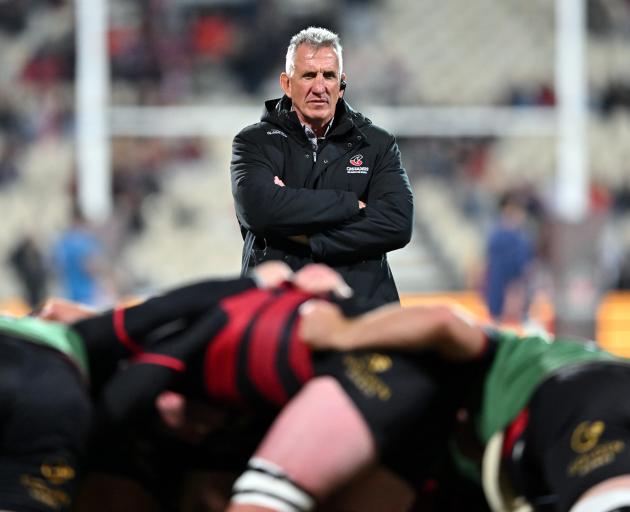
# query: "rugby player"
[[553, 416], [237, 346], [55, 368]]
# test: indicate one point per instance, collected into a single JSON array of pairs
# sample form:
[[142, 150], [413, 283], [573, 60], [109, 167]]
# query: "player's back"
[[257, 357]]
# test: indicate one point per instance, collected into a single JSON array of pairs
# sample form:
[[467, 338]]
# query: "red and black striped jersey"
[[258, 354]]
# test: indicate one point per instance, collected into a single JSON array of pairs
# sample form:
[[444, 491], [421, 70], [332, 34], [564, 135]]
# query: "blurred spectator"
[[213, 36], [530, 95], [252, 62], [621, 198], [598, 18], [79, 260], [134, 57], [508, 267], [13, 16], [136, 175], [623, 278], [615, 96], [600, 198], [9, 171], [27, 261], [12, 126], [546, 96], [52, 63]]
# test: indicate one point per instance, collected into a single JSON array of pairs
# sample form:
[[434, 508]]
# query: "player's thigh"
[[319, 442], [320, 438]]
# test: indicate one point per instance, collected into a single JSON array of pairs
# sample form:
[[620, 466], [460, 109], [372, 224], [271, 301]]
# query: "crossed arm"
[[334, 223]]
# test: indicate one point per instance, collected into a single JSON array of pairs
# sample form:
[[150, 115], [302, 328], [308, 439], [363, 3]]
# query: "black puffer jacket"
[[356, 161]]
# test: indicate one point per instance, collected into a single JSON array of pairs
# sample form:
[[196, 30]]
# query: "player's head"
[[513, 208]]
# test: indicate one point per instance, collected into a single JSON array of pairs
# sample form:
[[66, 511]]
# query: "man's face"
[[314, 85]]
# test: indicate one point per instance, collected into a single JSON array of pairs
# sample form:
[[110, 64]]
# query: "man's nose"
[[320, 84]]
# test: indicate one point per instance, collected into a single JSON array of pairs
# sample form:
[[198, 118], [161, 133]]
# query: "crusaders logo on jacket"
[[356, 162]]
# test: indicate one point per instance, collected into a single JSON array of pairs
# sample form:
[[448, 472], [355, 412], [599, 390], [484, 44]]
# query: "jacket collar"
[[278, 111]]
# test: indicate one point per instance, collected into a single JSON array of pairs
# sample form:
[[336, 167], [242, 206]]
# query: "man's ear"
[[342, 85], [285, 84]]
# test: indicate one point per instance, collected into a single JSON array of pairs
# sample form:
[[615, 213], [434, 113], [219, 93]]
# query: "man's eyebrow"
[[327, 72]]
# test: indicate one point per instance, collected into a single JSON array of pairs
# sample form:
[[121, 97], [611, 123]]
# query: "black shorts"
[[408, 401], [570, 448], [44, 419], [403, 400]]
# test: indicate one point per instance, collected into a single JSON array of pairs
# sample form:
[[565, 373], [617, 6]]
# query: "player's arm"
[[447, 330], [132, 389]]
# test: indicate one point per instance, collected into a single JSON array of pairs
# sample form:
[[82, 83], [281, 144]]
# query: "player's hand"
[[361, 205], [278, 181], [322, 325], [272, 273], [187, 419], [64, 311], [317, 278]]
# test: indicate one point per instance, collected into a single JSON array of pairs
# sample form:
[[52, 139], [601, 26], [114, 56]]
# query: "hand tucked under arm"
[[303, 239], [267, 208]]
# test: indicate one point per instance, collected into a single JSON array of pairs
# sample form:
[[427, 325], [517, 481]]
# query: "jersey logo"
[[365, 373], [357, 162], [586, 435], [592, 454]]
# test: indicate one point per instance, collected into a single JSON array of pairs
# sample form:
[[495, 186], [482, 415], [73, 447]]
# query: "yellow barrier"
[[613, 323], [541, 311], [612, 318], [15, 307]]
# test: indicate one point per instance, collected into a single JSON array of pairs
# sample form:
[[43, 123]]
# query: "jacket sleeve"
[[384, 225], [267, 209]]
